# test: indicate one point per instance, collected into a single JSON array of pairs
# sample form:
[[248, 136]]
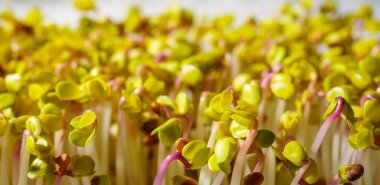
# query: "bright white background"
[[61, 11]]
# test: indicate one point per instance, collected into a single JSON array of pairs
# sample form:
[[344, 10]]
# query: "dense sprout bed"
[[171, 99]]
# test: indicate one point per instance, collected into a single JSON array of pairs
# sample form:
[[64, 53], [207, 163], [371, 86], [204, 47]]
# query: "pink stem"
[[319, 138], [16, 160], [165, 164], [58, 180], [300, 173], [238, 167], [325, 126], [334, 180], [367, 97], [188, 126], [260, 159], [234, 100]]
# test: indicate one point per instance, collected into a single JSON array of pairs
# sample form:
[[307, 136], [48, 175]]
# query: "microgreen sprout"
[[116, 102]]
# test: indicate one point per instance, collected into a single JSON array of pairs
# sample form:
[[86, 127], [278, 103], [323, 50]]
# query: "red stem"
[[165, 164]]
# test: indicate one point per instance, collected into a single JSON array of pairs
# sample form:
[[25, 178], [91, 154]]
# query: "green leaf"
[[38, 146], [81, 165], [335, 92], [244, 120], [75, 122], [101, 180], [13, 82], [221, 103], [225, 148], [192, 148], [225, 166], [37, 91], [169, 131], [213, 164], [334, 79], [132, 103], [88, 118], [238, 131], [183, 103], [37, 168], [215, 104], [33, 124], [359, 79], [370, 65], [68, 90], [264, 138], [7, 100], [50, 108], [201, 158], [154, 86], [190, 74], [166, 101], [50, 122], [82, 137], [226, 116], [312, 173], [282, 90], [276, 54], [96, 89], [371, 110], [331, 108], [251, 93], [226, 99], [50, 116], [361, 140], [289, 120], [196, 153], [283, 174], [240, 81], [294, 152]]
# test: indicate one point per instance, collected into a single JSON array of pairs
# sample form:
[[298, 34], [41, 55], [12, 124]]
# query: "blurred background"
[[62, 11]]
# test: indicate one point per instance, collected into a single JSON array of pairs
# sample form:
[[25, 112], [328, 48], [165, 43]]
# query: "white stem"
[[6, 157], [121, 153], [201, 106], [300, 173], [240, 159], [336, 147], [24, 160], [270, 165], [105, 130], [205, 174], [40, 181], [347, 157], [219, 178]]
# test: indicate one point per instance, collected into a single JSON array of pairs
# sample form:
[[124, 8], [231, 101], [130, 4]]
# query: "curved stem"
[[325, 126], [238, 167], [319, 138], [300, 173], [165, 164], [367, 97], [260, 159]]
